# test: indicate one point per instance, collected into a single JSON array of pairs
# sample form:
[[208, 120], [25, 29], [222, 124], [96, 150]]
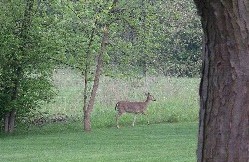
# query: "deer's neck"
[[147, 101]]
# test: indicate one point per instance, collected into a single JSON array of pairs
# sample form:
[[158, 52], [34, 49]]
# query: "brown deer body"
[[133, 107]]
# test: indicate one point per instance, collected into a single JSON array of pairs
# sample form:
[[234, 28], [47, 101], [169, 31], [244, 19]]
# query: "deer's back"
[[131, 107]]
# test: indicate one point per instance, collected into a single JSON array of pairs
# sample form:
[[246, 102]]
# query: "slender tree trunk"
[[9, 121], [10, 115], [224, 89], [6, 122], [12, 119], [89, 108], [86, 119]]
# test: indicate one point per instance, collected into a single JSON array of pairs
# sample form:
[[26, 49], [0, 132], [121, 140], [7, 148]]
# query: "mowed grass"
[[170, 142]]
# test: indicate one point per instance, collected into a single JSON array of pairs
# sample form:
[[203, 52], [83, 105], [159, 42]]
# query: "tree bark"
[[6, 122], [89, 108], [224, 89], [9, 121], [86, 119]]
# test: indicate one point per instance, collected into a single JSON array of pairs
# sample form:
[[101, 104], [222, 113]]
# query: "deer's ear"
[[147, 94]]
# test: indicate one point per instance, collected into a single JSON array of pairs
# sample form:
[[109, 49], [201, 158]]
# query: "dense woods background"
[[145, 38]]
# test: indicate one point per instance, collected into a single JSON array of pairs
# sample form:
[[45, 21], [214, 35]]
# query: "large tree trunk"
[[224, 89]]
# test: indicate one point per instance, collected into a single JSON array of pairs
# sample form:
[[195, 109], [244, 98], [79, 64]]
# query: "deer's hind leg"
[[134, 120], [117, 118]]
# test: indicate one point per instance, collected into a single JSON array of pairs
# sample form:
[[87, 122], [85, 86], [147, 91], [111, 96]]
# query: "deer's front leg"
[[148, 122], [117, 118]]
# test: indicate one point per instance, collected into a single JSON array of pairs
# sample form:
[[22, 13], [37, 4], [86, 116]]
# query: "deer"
[[133, 107]]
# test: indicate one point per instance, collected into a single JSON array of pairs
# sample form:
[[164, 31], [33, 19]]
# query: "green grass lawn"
[[174, 142]]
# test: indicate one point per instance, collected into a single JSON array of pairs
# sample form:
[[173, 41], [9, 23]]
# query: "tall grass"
[[177, 98]]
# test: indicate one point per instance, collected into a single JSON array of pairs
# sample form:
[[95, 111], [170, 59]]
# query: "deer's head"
[[150, 97]]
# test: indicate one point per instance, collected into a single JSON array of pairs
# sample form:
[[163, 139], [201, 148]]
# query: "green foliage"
[[181, 48], [66, 142], [25, 67], [145, 36], [162, 37]]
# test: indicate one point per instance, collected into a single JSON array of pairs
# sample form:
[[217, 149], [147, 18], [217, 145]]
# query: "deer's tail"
[[116, 106]]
